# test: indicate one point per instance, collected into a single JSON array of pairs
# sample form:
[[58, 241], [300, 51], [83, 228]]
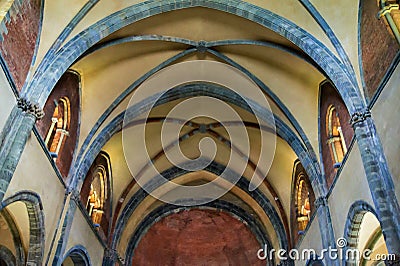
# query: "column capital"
[[30, 108], [359, 117]]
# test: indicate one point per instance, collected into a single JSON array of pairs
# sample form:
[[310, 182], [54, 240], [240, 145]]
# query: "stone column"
[[65, 230], [379, 179], [326, 229], [13, 138]]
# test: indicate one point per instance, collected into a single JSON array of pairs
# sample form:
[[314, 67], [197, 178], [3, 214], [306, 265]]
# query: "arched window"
[[335, 141], [302, 201], [59, 128], [303, 206], [60, 123], [389, 10], [335, 130], [96, 192]]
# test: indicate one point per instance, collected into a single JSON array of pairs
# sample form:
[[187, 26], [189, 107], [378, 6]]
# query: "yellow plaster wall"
[[342, 17], [351, 186], [34, 173], [386, 116], [311, 240], [57, 14], [7, 99], [82, 234]]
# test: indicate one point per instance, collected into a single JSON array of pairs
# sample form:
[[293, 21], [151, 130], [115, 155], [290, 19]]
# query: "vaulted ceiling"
[[116, 70]]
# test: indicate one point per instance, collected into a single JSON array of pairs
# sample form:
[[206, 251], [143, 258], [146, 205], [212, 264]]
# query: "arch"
[[34, 208], [59, 128], [352, 227], [220, 205], [214, 168], [302, 205], [78, 255], [176, 57], [17, 241], [43, 82], [220, 139], [96, 193], [7, 258], [204, 89]]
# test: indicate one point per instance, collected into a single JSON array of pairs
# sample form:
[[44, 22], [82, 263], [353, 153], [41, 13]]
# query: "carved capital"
[[359, 117], [30, 108]]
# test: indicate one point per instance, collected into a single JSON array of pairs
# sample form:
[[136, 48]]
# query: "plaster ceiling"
[[109, 71]]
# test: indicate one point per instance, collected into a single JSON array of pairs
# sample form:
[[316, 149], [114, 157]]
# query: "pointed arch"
[[78, 255], [43, 82], [16, 236], [7, 258], [34, 208]]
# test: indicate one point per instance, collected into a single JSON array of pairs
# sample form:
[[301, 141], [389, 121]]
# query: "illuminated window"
[[389, 10], [96, 191], [97, 195], [336, 142], [58, 131], [302, 205]]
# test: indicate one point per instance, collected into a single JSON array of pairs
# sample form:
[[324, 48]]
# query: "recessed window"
[[302, 202], [96, 193], [60, 123], [335, 140]]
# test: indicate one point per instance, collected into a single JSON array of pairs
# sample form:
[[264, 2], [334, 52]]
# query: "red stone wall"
[[329, 96], [378, 46], [198, 237], [19, 31], [67, 86]]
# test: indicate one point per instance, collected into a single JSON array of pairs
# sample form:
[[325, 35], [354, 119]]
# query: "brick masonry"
[[198, 237], [378, 46], [19, 31]]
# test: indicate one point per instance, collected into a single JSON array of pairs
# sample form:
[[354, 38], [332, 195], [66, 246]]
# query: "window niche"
[[335, 130], [60, 123], [336, 142], [96, 193], [59, 128], [302, 203]]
